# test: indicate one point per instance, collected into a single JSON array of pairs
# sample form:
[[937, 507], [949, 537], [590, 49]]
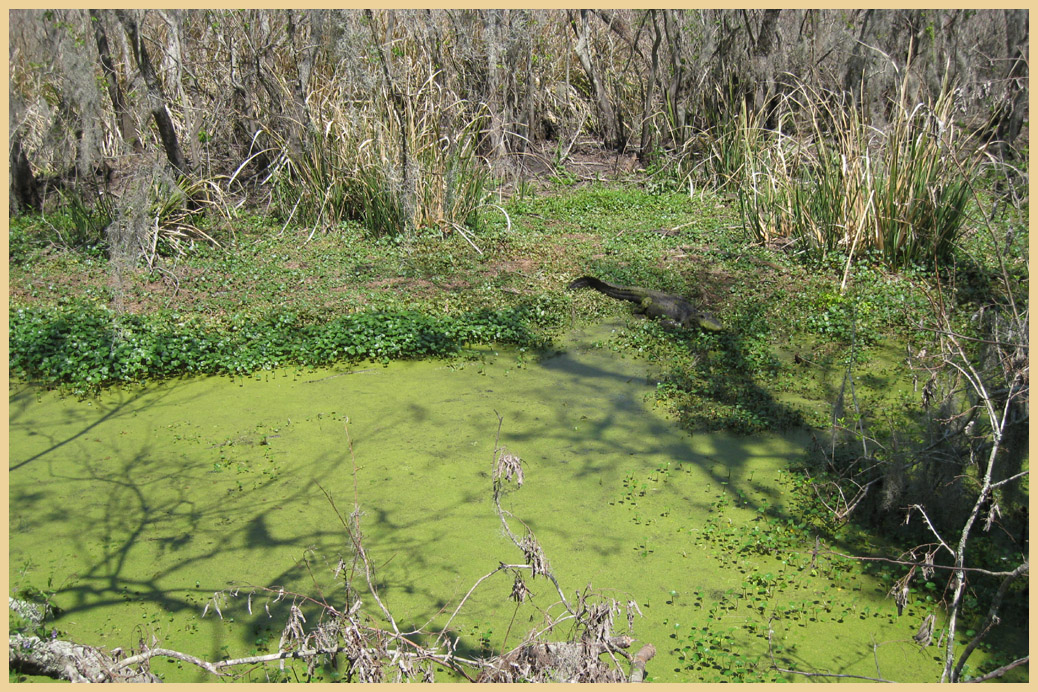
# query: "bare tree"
[[1014, 104], [666, 24], [964, 481], [612, 128], [25, 193], [157, 99], [999, 392], [112, 83]]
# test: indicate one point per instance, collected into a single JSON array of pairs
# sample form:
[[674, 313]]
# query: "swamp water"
[[137, 506]]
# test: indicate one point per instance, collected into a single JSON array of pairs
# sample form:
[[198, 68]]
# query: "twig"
[[999, 672], [355, 537], [1010, 479], [970, 338], [933, 530], [461, 231], [543, 567], [479, 581]]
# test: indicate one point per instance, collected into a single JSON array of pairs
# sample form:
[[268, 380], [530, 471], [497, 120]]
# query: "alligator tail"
[[608, 289]]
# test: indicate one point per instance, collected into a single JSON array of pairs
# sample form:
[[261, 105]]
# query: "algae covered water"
[[144, 507]]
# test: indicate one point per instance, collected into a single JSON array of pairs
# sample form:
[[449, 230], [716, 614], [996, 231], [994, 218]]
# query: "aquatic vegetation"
[[89, 348], [213, 484]]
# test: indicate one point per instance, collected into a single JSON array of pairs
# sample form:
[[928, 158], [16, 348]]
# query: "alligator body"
[[653, 303]]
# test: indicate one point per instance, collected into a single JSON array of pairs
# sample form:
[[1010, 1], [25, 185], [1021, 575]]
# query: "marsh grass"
[[849, 188], [921, 201], [159, 216], [81, 225], [395, 165], [740, 149]]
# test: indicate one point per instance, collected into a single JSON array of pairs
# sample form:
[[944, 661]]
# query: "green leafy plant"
[[713, 654], [89, 347]]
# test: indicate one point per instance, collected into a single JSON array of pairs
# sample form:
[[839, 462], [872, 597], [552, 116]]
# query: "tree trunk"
[[301, 125], [768, 91], [854, 74], [25, 192], [66, 660], [767, 35], [1014, 107], [611, 134], [646, 143], [115, 91], [249, 134], [529, 105], [163, 121], [171, 75], [675, 92], [496, 96]]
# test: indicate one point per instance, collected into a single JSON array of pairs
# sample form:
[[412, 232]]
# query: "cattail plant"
[[851, 188]]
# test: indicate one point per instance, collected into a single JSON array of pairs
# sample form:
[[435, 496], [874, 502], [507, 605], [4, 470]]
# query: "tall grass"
[[82, 224], [394, 170], [757, 163], [921, 202], [850, 188], [734, 149], [156, 214]]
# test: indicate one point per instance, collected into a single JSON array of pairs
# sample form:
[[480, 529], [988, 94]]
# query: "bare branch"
[[992, 618], [999, 672], [929, 525]]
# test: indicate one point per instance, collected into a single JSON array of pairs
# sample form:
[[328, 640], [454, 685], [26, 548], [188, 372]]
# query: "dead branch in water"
[[355, 642]]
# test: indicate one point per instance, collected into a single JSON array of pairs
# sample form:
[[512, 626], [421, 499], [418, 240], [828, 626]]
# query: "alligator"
[[653, 303]]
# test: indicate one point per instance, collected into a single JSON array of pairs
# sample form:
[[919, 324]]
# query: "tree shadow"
[[166, 514]]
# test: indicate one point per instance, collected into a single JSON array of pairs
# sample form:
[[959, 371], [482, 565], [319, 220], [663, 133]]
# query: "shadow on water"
[[725, 458], [21, 401], [141, 504]]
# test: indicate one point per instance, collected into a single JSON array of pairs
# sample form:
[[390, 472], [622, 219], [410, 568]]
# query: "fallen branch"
[[638, 664], [574, 661], [64, 660]]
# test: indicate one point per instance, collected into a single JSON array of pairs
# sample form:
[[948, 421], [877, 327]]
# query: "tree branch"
[[992, 618], [999, 672]]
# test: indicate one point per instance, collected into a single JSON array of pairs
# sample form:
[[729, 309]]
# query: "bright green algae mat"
[[137, 506]]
